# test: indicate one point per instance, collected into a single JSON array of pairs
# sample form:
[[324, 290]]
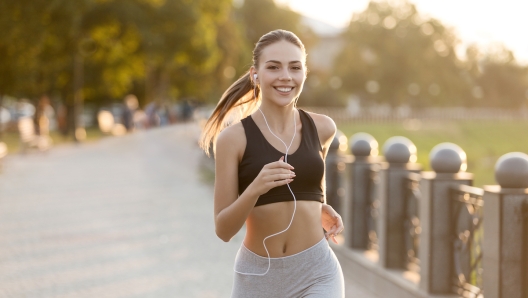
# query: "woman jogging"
[[270, 176]]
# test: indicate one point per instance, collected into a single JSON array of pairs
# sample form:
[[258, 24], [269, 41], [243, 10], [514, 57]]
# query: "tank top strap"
[[246, 125], [310, 131], [249, 129], [255, 141]]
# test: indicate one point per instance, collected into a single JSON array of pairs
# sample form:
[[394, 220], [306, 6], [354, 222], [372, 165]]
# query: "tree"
[[499, 81], [259, 17], [234, 58], [394, 55], [164, 46]]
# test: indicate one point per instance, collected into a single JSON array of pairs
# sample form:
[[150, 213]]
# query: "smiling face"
[[281, 72]]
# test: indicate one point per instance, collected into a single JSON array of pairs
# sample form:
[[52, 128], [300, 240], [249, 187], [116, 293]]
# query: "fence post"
[[448, 162], [400, 154], [505, 240], [365, 150], [335, 167]]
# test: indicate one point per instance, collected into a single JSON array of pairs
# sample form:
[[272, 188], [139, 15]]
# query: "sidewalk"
[[123, 217]]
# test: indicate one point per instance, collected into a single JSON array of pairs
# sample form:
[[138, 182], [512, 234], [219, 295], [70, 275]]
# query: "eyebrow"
[[275, 61]]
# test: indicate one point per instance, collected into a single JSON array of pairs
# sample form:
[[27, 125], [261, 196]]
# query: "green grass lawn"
[[483, 141], [12, 138]]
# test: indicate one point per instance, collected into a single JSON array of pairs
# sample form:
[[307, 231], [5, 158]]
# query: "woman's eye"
[[272, 67]]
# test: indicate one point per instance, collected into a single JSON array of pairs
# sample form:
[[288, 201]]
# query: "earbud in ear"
[[255, 76]]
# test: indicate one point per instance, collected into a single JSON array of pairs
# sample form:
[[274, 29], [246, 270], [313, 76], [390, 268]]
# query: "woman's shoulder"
[[232, 137], [325, 125]]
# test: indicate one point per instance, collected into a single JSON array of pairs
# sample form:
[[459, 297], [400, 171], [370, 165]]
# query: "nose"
[[285, 75]]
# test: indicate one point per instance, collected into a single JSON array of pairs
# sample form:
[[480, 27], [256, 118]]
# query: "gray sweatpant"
[[312, 273]]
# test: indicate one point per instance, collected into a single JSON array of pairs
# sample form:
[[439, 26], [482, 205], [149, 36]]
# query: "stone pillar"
[[436, 239], [365, 150], [335, 168], [400, 156], [505, 242]]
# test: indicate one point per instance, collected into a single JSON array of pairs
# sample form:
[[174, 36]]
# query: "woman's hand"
[[331, 222], [272, 175]]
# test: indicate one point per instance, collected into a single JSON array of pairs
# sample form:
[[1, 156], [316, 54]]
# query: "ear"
[[252, 73]]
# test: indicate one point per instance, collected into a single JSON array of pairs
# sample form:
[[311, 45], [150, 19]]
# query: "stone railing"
[[410, 233]]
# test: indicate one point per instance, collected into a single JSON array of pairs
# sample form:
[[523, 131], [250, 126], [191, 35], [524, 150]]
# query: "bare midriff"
[[304, 232]]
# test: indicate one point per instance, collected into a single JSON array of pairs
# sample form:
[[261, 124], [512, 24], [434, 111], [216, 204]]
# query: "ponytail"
[[237, 102]]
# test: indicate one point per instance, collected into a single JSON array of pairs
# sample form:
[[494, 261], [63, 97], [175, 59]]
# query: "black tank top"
[[307, 161]]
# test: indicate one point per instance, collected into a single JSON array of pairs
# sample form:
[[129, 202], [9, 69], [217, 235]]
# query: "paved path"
[[123, 217]]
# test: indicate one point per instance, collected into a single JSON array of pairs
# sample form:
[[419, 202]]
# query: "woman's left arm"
[[330, 219]]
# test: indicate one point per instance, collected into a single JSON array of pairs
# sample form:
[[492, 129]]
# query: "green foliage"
[[263, 16], [169, 49], [394, 55], [163, 46], [259, 17], [502, 81], [405, 58], [234, 59]]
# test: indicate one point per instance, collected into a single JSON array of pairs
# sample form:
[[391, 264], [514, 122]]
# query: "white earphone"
[[255, 76]]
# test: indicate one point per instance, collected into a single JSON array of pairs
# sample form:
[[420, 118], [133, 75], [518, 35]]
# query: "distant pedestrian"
[[285, 252], [151, 112], [187, 110], [43, 115], [131, 105], [163, 114]]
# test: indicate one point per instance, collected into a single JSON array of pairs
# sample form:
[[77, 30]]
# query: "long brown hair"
[[241, 98]]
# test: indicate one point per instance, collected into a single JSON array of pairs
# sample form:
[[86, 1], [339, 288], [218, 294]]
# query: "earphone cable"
[[294, 199]]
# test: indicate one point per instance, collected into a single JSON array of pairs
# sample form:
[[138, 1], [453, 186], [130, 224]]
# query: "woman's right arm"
[[231, 210]]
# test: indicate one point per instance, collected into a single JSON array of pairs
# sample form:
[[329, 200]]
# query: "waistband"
[[248, 261]]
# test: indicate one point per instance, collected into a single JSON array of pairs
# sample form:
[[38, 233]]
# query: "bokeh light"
[[106, 121]]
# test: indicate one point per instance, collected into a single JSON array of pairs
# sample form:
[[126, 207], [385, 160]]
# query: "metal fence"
[[373, 206], [442, 222], [411, 223], [467, 244]]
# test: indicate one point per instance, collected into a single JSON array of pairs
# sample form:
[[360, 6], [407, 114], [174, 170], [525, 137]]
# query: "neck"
[[287, 147], [279, 119]]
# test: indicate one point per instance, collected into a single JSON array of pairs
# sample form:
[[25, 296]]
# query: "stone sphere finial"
[[511, 170], [399, 150], [363, 144], [339, 143], [448, 158]]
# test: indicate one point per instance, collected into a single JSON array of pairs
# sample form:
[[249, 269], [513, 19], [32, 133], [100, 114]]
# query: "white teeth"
[[284, 89]]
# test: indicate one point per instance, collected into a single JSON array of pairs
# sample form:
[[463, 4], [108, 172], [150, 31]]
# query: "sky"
[[485, 22]]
